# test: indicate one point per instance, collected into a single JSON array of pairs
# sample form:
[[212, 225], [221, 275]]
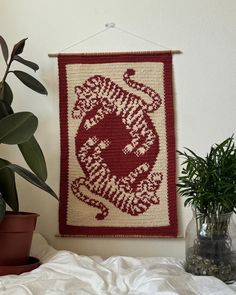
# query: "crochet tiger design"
[[111, 98], [119, 192], [105, 97]]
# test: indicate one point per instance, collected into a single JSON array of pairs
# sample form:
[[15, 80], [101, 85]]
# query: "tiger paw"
[[140, 151], [104, 144], [156, 179], [127, 149], [87, 124], [155, 200]]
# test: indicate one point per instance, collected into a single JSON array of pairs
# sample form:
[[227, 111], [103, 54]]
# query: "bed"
[[64, 272]]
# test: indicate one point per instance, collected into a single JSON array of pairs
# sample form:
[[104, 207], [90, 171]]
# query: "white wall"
[[204, 77]]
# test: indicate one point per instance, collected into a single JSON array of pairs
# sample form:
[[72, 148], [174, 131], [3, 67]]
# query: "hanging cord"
[[85, 39], [112, 26], [141, 38]]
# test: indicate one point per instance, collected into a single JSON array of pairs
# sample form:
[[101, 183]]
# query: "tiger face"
[[86, 101], [87, 97]]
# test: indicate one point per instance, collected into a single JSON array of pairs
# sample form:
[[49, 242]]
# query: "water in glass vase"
[[211, 246]]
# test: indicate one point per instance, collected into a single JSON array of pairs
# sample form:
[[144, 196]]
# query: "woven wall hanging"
[[118, 164]]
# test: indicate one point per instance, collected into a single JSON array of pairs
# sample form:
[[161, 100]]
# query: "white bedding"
[[64, 272]]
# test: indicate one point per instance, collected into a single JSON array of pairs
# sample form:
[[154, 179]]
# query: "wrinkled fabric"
[[64, 272]]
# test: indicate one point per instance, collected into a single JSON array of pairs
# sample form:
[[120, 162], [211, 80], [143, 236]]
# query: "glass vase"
[[210, 246]]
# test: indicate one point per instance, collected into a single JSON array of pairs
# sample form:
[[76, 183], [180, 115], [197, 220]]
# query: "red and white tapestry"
[[117, 145]]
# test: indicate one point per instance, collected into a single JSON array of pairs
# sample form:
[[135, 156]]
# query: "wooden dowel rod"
[[176, 51], [52, 54], [172, 51]]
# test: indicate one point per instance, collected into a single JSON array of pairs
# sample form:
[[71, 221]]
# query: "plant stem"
[[7, 71]]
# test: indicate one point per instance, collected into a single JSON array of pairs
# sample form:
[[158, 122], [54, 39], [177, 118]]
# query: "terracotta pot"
[[16, 231], [32, 263]]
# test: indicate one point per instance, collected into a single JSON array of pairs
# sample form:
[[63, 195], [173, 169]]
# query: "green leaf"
[[18, 47], [30, 177], [5, 109], [34, 157], [209, 183], [1, 91], [4, 48], [27, 63], [2, 208], [6, 93], [30, 82], [17, 128], [8, 186]]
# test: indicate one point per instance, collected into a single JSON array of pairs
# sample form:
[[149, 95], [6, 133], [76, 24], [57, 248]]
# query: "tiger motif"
[[134, 193], [111, 98], [119, 192]]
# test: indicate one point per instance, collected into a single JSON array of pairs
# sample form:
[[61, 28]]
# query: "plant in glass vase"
[[209, 185]]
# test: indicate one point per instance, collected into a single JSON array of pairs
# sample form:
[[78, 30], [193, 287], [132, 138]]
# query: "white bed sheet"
[[64, 272]]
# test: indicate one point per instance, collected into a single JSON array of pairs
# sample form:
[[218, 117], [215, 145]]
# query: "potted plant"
[[209, 185], [18, 129]]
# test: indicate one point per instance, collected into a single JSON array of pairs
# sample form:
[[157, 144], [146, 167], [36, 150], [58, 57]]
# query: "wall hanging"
[[118, 169]]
